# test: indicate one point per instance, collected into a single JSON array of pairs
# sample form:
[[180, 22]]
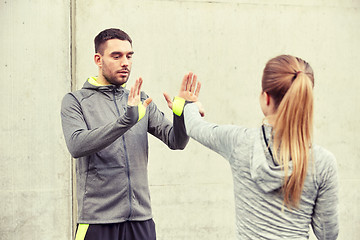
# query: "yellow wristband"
[[178, 106], [141, 110]]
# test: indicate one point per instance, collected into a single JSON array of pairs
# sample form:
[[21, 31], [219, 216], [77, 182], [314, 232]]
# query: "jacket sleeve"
[[325, 216], [219, 138], [79, 139], [172, 134]]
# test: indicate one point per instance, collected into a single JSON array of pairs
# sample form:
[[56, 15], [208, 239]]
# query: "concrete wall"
[[226, 42], [35, 183]]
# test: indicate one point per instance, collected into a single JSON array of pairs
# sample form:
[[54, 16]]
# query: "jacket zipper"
[[126, 158]]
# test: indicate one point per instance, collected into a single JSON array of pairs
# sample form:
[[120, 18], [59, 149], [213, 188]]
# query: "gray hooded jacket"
[[112, 150], [260, 213]]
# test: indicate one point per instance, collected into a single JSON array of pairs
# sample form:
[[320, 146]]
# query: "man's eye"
[[129, 56], [116, 57]]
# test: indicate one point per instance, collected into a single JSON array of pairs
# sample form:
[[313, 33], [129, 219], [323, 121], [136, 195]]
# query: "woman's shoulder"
[[324, 160], [321, 154]]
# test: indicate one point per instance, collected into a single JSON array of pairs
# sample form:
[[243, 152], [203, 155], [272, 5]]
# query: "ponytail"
[[290, 83]]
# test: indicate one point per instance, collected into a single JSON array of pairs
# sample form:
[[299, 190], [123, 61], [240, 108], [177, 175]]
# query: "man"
[[105, 128]]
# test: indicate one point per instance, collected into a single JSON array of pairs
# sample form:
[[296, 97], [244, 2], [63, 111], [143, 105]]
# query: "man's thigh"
[[140, 230], [130, 230]]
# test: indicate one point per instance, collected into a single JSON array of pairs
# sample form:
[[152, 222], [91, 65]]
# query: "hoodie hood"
[[265, 173], [107, 91], [91, 83]]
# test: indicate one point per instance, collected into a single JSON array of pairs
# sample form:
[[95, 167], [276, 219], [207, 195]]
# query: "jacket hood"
[[264, 172], [106, 90], [92, 84]]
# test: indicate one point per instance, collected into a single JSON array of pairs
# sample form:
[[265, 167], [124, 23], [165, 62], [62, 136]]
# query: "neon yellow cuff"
[[141, 110], [178, 106]]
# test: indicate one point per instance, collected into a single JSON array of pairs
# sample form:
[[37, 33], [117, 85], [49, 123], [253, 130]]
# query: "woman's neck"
[[270, 119]]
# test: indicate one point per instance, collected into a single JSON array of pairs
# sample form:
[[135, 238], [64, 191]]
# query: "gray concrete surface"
[[226, 42], [35, 183]]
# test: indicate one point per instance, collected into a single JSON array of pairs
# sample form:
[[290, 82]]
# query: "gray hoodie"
[[260, 213], [112, 150]]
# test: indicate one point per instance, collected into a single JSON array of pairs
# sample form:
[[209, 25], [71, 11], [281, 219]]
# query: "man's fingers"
[[167, 97], [139, 82], [184, 83], [198, 89], [189, 80], [193, 84], [168, 100], [131, 95], [136, 85]]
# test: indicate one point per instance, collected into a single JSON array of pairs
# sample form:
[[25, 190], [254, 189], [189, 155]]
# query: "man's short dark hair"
[[107, 34]]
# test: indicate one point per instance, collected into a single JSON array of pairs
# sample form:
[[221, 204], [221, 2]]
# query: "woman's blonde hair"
[[289, 81]]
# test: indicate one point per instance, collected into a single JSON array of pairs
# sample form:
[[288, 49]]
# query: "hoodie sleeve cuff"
[[141, 110], [178, 105]]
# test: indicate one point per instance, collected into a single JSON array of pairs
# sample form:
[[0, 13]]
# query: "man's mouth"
[[123, 73]]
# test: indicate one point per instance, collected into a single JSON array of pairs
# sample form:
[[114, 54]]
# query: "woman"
[[282, 181]]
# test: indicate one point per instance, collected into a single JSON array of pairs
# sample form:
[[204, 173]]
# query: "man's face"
[[116, 61]]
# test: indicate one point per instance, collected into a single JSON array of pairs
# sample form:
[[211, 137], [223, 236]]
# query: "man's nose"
[[124, 61]]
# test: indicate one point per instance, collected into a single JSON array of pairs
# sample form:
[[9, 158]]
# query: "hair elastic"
[[296, 74]]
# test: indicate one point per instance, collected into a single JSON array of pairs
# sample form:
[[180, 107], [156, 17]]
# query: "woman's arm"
[[325, 221]]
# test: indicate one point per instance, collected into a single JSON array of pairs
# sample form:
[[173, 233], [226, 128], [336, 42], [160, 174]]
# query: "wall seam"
[[73, 88]]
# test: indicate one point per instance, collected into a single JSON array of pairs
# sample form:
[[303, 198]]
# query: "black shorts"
[[130, 230]]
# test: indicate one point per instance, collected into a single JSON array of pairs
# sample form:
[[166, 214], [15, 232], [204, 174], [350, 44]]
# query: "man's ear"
[[98, 59]]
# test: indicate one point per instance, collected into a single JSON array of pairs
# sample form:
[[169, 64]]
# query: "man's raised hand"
[[134, 95], [189, 91]]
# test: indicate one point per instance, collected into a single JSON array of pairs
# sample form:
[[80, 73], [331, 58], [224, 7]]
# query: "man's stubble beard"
[[114, 80]]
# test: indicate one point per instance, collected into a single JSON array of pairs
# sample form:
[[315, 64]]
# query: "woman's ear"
[[266, 98]]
